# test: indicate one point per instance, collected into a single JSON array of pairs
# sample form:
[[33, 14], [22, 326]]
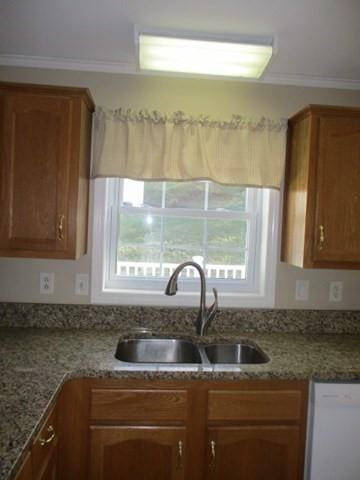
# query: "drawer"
[[137, 405], [259, 405], [44, 446]]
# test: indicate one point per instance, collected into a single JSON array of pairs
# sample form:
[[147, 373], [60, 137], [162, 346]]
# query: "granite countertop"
[[36, 362]]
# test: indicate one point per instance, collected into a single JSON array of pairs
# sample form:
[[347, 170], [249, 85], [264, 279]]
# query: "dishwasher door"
[[333, 449]]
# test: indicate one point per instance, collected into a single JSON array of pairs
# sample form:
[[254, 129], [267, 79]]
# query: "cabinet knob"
[[321, 237], [61, 227], [212, 454], [50, 438], [180, 455]]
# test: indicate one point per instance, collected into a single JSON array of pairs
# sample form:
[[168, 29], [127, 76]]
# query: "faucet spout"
[[204, 317]]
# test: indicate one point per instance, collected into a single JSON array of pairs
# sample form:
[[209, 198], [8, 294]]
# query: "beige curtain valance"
[[151, 146]]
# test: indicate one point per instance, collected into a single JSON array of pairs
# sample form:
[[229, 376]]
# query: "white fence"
[[148, 269]]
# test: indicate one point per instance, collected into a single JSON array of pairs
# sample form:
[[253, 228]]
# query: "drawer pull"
[[180, 455], [212, 454], [50, 438]]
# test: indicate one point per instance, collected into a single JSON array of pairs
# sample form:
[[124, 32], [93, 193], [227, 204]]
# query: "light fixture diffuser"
[[206, 57]]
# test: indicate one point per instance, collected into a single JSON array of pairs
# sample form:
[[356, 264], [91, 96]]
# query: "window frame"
[[144, 292]]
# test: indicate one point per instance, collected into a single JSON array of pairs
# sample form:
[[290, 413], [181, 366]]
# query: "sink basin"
[[157, 350], [236, 353]]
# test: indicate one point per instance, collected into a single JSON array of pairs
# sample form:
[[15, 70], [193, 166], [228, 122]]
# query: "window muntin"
[[154, 226]]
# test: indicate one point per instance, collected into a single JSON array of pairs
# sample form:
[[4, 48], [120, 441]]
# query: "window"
[[143, 230]]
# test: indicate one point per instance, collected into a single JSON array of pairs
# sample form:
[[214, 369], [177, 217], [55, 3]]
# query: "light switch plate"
[[81, 284], [302, 290], [47, 282]]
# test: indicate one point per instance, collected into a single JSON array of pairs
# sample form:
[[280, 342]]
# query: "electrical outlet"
[[336, 291], [302, 290], [47, 281], [81, 284]]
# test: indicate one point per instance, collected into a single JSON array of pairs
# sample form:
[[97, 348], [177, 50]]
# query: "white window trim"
[[263, 298]]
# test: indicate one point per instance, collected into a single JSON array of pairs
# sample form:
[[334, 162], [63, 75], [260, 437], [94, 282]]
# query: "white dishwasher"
[[333, 444]]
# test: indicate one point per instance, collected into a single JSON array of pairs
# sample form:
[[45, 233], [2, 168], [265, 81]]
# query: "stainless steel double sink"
[[183, 351]]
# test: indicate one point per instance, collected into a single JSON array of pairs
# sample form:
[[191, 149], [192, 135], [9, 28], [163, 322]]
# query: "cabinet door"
[[253, 453], [141, 453], [34, 172], [25, 471], [337, 230], [50, 470]]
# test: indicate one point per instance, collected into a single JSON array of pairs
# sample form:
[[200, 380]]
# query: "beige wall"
[[19, 279]]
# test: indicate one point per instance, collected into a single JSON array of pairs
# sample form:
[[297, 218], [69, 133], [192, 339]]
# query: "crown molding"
[[58, 63], [130, 68], [312, 81]]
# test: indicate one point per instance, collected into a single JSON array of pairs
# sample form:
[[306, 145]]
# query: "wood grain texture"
[[83, 180], [322, 189], [254, 452], [74, 441], [338, 201], [50, 470], [25, 470], [42, 170], [138, 405], [297, 178], [141, 453], [254, 405]]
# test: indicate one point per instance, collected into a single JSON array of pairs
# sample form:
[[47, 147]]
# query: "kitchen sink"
[[180, 350], [235, 353], [157, 350]]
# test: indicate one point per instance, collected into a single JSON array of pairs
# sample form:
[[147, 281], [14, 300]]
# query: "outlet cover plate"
[[47, 283], [336, 291]]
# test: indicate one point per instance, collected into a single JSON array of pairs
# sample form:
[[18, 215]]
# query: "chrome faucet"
[[205, 316]]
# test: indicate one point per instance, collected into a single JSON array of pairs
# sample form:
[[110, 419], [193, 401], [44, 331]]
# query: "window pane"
[[151, 246], [133, 193], [227, 233], [223, 264], [153, 194], [138, 261], [138, 229], [180, 254], [185, 195], [226, 198], [138, 253], [183, 231]]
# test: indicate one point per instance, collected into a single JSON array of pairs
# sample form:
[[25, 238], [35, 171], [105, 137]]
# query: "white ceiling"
[[318, 40]]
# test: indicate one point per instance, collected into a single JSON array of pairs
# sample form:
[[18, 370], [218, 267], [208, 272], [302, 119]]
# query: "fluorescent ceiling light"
[[185, 55]]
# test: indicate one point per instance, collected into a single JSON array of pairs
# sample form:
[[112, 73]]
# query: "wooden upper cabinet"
[[45, 135], [321, 227]]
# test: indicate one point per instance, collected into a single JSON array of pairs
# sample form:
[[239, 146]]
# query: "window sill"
[[181, 299]]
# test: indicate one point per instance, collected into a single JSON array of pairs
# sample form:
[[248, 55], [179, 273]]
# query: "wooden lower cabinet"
[[141, 453], [41, 461], [25, 470], [253, 452], [50, 469], [124, 429], [44, 450]]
